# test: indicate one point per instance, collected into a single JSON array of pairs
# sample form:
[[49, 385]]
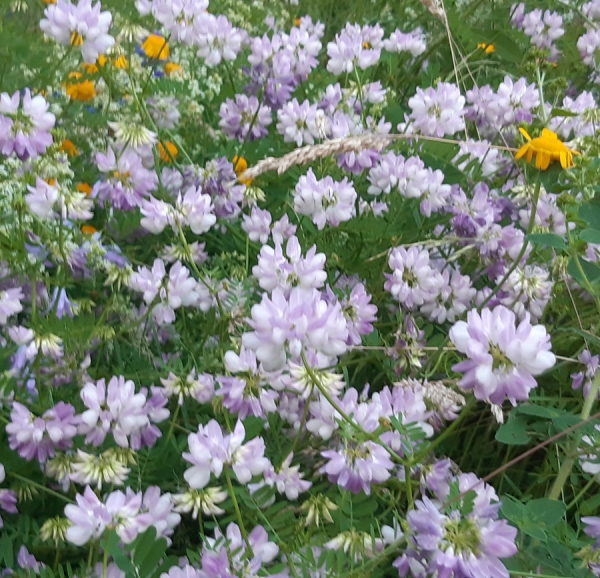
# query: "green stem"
[[236, 506], [534, 204], [371, 437], [40, 487], [565, 469], [582, 493]]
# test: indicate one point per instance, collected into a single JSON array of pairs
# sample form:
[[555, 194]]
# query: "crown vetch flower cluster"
[[504, 357]]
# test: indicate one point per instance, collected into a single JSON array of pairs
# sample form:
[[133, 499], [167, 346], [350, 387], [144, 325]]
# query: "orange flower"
[[68, 147], [88, 230], [51, 182], [545, 149], [49, 1], [487, 48], [164, 155], [84, 188], [76, 39], [172, 69], [240, 164], [297, 22], [82, 91], [156, 46], [120, 62]]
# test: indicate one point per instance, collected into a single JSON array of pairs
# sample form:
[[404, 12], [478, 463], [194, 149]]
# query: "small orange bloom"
[[76, 39], [297, 22], [82, 91], [545, 149], [121, 62], [88, 230], [240, 164], [68, 147], [156, 46], [487, 48], [172, 69], [49, 1], [84, 188], [164, 155], [51, 182]]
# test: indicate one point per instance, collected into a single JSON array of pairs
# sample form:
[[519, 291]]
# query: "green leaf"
[[513, 432], [562, 112], [545, 512], [590, 270], [590, 506], [590, 213], [6, 551], [512, 509], [590, 236], [507, 48], [547, 240], [538, 411], [533, 530]]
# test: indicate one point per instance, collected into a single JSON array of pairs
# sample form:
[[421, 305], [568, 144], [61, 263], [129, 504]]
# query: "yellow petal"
[[521, 152], [549, 134], [524, 133]]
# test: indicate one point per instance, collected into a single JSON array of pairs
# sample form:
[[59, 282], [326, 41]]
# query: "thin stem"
[[236, 506], [40, 487], [373, 438], [565, 469], [582, 493], [517, 261]]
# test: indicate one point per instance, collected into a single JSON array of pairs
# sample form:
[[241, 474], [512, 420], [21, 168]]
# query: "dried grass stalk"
[[436, 8], [310, 153]]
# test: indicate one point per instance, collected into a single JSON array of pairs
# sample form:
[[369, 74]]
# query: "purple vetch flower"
[[257, 225], [194, 209], [580, 125], [276, 270], [227, 556], [588, 45], [218, 179], [217, 39], [289, 324], [40, 437], [359, 312], [164, 113], [457, 544], [356, 466], [503, 357], [302, 123], [414, 281], [543, 27], [527, 290], [177, 18], [514, 101], [592, 529], [127, 181], [91, 517], [586, 377], [8, 498], [157, 511], [116, 409], [413, 42], [201, 387], [26, 130], [248, 390], [244, 118], [185, 571], [10, 303], [326, 201], [287, 479], [211, 451], [354, 47], [27, 561], [438, 111], [79, 25]]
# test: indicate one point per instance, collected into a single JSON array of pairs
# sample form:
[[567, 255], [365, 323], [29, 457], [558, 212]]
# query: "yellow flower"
[[172, 69], [546, 148], [162, 153], [84, 188], [88, 230], [68, 147], [121, 62], [83, 91], [156, 46], [297, 22], [76, 39], [487, 48], [240, 164]]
